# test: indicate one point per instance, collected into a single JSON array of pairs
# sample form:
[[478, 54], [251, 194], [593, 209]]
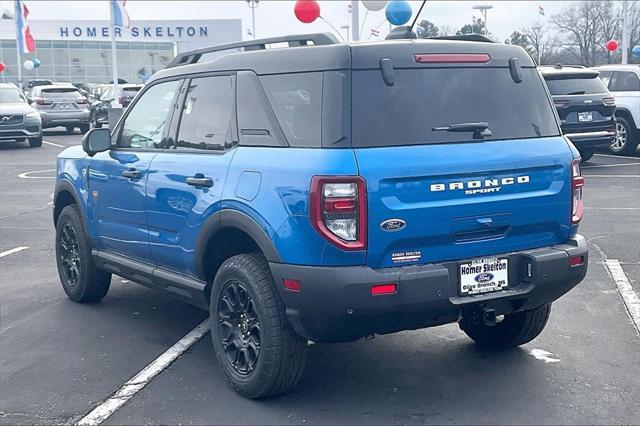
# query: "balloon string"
[[363, 21], [377, 26], [334, 28]]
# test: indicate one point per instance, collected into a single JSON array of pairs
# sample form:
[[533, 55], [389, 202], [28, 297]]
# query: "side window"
[[296, 100], [625, 81], [605, 76], [207, 114], [144, 125]]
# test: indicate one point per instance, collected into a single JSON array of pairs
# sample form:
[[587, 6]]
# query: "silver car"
[[61, 105], [18, 120]]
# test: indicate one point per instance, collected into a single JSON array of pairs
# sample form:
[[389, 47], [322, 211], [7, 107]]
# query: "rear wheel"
[[35, 142], [81, 279], [84, 128], [626, 140], [94, 124], [514, 330], [586, 154], [70, 129], [254, 344]]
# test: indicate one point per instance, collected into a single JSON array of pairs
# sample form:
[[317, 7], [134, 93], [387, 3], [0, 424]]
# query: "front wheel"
[[254, 344], [84, 128], [586, 154], [625, 142], [514, 330], [35, 142], [81, 279]]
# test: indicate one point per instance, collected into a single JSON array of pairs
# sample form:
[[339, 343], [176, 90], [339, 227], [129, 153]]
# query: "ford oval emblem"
[[392, 225], [484, 277]]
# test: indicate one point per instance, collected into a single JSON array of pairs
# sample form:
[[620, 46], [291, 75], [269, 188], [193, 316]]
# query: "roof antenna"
[[417, 15]]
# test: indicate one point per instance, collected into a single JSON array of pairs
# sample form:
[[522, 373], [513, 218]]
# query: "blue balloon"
[[36, 62], [398, 12], [636, 51]]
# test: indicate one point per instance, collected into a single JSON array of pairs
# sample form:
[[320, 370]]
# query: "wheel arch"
[[626, 114], [64, 196]]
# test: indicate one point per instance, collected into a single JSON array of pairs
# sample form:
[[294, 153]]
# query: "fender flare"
[[228, 218], [66, 186], [627, 113]]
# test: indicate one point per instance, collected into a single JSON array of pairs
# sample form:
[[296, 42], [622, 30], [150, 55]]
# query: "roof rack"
[[193, 56]]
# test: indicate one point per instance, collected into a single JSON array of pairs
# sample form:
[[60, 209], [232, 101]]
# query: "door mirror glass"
[[96, 140]]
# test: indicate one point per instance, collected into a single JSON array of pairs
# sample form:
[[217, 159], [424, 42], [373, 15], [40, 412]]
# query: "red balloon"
[[612, 45], [307, 11], [2, 66]]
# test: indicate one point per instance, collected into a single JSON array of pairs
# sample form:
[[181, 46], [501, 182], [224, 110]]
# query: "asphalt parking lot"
[[59, 360]]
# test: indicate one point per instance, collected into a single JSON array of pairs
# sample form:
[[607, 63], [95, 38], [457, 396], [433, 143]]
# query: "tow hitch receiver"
[[489, 317]]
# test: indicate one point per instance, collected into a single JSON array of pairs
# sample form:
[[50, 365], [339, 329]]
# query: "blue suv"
[[328, 192]]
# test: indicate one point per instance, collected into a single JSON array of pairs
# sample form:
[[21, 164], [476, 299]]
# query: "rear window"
[[131, 90], [423, 99], [576, 86], [61, 92]]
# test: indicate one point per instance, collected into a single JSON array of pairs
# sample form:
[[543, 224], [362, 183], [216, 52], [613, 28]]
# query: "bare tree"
[[633, 22], [446, 30]]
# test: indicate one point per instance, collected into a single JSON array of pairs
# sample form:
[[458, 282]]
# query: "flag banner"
[[541, 10], [25, 40], [375, 32], [119, 13]]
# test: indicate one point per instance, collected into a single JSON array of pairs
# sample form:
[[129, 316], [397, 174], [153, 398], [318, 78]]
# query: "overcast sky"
[[277, 18]]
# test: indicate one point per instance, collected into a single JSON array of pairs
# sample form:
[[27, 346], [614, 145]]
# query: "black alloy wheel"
[[69, 255]]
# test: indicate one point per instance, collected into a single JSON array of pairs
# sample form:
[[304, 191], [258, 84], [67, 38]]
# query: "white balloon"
[[28, 65], [374, 5]]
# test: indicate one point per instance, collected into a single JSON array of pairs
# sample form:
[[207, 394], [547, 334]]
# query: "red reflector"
[[336, 205], [576, 261], [434, 58], [383, 289], [293, 285]]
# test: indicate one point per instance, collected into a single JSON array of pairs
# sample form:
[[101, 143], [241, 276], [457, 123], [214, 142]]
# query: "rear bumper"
[[591, 139], [335, 303], [52, 119]]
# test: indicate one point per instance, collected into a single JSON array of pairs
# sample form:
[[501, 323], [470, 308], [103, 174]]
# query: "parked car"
[[61, 105], [128, 92], [41, 82], [585, 107], [18, 120], [623, 82], [328, 192]]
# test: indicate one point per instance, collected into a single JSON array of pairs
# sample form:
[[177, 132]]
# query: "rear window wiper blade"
[[480, 129], [577, 92]]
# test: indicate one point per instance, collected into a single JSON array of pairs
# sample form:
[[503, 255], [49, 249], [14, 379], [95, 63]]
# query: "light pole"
[[253, 4], [483, 9]]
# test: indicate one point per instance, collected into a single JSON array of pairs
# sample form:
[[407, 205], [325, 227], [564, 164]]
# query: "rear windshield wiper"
[[480, 130], [577, 92]]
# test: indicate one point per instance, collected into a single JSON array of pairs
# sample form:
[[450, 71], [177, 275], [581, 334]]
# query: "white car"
[[623, 82]]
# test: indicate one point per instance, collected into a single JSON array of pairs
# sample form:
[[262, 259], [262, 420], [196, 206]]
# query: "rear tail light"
[[443, 58], [42, 101], [560, 103], [609, 101], [82, 101], [577, 182], [338, 210]]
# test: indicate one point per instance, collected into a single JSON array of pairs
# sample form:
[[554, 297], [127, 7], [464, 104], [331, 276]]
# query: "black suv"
[[585, 106]]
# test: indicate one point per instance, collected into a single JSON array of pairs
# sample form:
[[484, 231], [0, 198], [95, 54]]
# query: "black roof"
[[327, 53], [567, 71]]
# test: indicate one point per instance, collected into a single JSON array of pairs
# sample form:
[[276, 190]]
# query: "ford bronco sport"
[[327, 192]]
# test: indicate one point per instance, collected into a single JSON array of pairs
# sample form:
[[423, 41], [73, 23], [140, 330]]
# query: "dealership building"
[[80, 51]]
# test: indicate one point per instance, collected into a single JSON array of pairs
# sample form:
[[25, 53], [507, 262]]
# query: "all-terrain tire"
[[81, 279], [282, 353], [514, 330]]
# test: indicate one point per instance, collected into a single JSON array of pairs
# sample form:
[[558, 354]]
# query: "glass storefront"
[[87, 61]]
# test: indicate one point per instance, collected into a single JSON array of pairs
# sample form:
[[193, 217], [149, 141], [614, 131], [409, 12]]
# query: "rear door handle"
[[132, 174], [200, 181]]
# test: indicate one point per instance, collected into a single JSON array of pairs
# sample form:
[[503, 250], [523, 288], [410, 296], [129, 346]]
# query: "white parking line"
[[628, 294], [611, 176], [610, 165], [26, 175], [137, 383], [616, 156], [54, 144], [612, 208], [14, 250]]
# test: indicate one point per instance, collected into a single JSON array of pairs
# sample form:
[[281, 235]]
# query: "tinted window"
[[605, 76], [207, 114], [576, 86], [423, 99], [10, 95], [62, 92], [625, 82], [296, 100], [144, 125]]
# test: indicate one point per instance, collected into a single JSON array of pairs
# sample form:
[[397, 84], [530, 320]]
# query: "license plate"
[[484, 275], [585, 116], [63, 106]]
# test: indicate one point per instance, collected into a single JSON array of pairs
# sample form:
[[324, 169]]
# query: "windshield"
[[424, 100], [576, 86], [62, 92], [10, 95]]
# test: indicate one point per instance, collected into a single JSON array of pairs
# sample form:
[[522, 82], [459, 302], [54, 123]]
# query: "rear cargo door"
[[436, 194]]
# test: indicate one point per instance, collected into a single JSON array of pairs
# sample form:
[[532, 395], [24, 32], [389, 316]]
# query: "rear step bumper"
[[591, 139], [335, 304]]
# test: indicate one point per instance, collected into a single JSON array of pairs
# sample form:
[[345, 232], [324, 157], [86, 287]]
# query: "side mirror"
[[96, 140]]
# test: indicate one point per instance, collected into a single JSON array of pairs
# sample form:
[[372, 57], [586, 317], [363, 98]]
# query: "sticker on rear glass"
[[406, 256]]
